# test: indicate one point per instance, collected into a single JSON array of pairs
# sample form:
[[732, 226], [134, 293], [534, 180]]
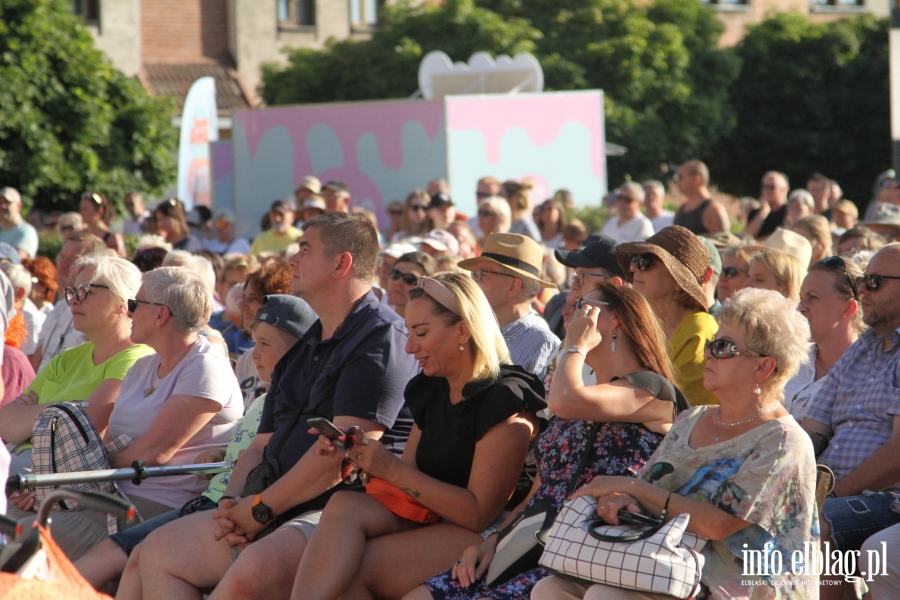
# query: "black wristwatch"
[[262, 513]]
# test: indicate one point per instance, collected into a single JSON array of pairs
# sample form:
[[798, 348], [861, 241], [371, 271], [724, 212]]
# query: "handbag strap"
[[588, 451], [634, 537]]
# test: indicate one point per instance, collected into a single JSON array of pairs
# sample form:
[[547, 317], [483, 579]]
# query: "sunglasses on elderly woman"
[[872, 282], [352, 438], [408, 278], [81, 292], [838, 264], [133, 303], [722, 348], [643, 261]]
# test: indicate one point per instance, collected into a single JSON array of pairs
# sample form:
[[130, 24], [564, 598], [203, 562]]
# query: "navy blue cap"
[[601, 253], [286, 313]]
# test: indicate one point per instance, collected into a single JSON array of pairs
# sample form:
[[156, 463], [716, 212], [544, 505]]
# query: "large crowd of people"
[[479, 368]]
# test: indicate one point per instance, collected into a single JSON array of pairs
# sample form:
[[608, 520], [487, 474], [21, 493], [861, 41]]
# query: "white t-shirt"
[[248, 379], [663, 219], [637, 229], [34, 321], [203, 372], [58, 333], [794, 388]]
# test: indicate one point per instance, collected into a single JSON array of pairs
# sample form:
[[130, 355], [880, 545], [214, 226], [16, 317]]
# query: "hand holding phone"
[[328, 430]]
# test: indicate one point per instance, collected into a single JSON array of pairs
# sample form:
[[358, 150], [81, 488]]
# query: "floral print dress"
[[618, 449]]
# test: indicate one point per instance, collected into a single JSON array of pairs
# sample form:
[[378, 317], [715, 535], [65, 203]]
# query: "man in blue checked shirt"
[[854, 421]]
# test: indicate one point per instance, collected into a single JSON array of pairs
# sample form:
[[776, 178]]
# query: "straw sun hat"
[[517, 253], [680, 251]]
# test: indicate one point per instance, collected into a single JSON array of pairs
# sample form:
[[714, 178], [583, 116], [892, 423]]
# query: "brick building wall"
[[169, 32]]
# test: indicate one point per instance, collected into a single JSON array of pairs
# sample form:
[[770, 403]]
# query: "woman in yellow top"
[[669, 269], [93, 371]]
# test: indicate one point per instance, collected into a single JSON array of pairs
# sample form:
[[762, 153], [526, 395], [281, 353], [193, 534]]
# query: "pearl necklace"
[[736, 423]]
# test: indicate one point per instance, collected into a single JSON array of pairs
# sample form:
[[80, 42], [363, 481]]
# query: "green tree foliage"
[[810, 97], [69, 121], [387, 65], [664, 78]]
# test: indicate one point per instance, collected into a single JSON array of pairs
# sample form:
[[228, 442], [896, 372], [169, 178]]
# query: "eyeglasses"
[[352, 438], [81, 292], [582, 301], [722, 348], [67, 228], [578, 278], [486, 214], [767, 186], [621, 198], [888, 183], [643, 261], [222, 224], [396, 212], [872, 282], [92, 197], [729, 272], [483, 194], [477, 274], [408, 278], [133, 304], [417, 208], [839, 264]]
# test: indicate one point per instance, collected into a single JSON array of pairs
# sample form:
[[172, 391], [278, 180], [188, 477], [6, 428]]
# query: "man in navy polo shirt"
[[351, 368]]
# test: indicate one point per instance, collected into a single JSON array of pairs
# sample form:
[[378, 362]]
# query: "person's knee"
[[133, 564], [243, 577], [420, 593]]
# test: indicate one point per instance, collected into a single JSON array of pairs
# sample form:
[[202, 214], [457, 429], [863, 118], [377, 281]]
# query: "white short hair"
[[19, 277], [636, 189], [150, 240], [770, 325], [122, 276], [501, 207], [198, 264], [187, 296], [803, 197]]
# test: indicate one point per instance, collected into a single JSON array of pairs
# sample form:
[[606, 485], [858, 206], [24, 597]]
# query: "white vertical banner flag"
[[199, 127]]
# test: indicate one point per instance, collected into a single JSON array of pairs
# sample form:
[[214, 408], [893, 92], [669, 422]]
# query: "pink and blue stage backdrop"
[[385, 149]]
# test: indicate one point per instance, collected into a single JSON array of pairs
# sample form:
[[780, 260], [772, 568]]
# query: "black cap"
[[337, 186], [286, 313], [601, 253], [439, 199]]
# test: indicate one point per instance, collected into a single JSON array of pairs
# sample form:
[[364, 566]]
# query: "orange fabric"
[[17, 331], [399, 502], [68, 582]]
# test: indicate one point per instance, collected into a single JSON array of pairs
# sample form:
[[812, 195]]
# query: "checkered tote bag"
[[662, 561], [65, 441]]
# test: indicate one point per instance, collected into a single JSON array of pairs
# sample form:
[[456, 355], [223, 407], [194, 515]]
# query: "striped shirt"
[[859, 399], [531, 344]]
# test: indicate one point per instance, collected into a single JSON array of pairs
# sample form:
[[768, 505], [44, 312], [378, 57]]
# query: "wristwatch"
[[262, 513]]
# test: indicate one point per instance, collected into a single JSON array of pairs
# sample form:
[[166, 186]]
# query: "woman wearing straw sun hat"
[[669, 269]]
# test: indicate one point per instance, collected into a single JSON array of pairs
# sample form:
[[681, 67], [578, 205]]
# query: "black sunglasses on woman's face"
[[408, 278], [133, 304], [643, 261]]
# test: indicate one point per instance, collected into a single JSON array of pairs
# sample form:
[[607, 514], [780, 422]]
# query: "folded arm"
[[181, 417]]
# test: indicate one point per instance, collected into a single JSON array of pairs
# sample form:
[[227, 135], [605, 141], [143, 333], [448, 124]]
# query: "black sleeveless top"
[[693, 220], [659, 386]]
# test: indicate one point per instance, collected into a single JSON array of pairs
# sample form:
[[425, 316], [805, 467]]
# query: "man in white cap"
[[508, 272], [225, 241], [13, 229], [309, 187]]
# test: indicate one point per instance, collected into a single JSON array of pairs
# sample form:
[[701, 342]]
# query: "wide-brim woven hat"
[[518, 253], [683, 254]]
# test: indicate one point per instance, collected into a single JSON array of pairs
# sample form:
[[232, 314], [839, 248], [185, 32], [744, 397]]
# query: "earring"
[[461, 347], [614, 342], [757, 391], [157, 323]]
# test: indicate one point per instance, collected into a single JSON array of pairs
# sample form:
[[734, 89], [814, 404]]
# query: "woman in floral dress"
[[745, 465], [634, 404]]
